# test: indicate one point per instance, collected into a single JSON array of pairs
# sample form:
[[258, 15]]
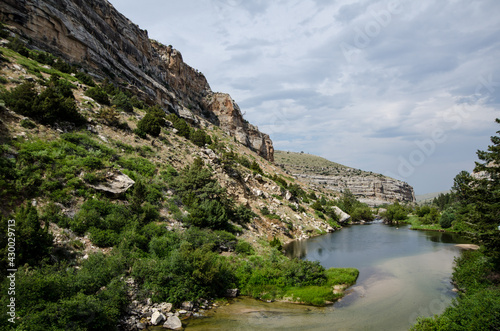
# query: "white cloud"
[[408, 72]]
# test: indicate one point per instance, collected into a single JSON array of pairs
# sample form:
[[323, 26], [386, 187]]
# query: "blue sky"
[[409, 89]]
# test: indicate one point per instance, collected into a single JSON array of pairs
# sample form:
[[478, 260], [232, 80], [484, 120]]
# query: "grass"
[[34, 67], [416, 224], [322, 295]]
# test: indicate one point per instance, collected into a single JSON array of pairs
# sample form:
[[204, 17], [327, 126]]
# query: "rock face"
[[230, 119], [373, 189], [94, 34]]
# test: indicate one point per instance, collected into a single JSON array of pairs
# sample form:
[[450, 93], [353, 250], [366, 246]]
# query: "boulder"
[[115, 182], [343, 216], [173, 323], [187, 305], [232, 293], [157, 318]]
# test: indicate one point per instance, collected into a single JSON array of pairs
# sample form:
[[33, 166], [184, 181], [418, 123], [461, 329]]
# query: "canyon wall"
[[107, 44]]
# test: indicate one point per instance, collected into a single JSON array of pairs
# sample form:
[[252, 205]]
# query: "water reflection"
[[403, 274]]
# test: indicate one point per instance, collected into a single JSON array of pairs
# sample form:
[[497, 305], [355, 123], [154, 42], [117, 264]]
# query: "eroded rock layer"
[[95, 35]]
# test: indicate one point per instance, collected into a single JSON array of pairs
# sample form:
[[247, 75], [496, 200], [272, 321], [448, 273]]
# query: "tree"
[[153, 121], [396, 213], [479, 198]]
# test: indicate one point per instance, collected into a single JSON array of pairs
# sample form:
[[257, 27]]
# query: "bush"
[[98, 94], [180, 125], [446, 220], [200, 138], [122, 101], [244, 248], [138, 164], [21, 98], [152, 122], [395, 213], [32, 242], [85, 78], [276, 242], [243, 214], [362, 213], [55, 103], [432, 217]]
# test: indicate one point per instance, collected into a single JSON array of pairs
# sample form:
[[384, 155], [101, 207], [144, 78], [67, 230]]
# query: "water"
[[403, 274]]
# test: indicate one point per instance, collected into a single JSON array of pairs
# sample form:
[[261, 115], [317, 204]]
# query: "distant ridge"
[[369, 187], [429, 196]]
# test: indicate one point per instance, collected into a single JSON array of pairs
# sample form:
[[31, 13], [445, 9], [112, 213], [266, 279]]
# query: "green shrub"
[[362, 213], [255, 167], [33, 243], [85, 78], [180, 125], [446, 220], [27, 124], [21, 98], [243, 215], [55, 103], [98, 94], [200, 138], [138, 164], [104, 238], [122, 101], [244, 248], [276, 242]]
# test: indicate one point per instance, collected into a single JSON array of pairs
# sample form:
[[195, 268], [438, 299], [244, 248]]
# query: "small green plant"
[[276, 243], [27, 124]]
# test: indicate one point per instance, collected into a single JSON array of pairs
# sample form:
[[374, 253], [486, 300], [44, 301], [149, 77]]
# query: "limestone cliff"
[[95, 35], [373, 189]]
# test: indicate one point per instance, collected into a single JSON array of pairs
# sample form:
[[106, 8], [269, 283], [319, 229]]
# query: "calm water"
[[403, 274]]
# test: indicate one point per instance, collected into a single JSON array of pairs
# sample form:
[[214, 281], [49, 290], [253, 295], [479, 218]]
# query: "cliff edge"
[[96, 36]]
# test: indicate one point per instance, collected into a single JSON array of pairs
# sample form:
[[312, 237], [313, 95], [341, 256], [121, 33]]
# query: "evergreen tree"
[[480, 198]]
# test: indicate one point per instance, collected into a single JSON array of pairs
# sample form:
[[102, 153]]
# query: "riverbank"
[[403, 274], [478, 304], [416, 224]]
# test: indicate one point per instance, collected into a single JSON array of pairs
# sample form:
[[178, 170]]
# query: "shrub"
[[362, 213], [244, 248], [21, 98], [243, 214], [138, 164], [55, 103], [447, 219], [85, 78], [200, 138], [27, 124], [276, 242], [122, 101], [33, 243], [180, 125], [98, 94]]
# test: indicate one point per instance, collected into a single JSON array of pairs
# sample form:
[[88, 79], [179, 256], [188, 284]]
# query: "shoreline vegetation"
[[470, 209]]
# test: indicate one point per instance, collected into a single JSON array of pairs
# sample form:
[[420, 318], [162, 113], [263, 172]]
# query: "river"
[[403, 274]]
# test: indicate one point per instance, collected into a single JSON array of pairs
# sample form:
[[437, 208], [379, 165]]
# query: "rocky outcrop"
[[114, 182], [231, 120], [95, 35], [371, 188]]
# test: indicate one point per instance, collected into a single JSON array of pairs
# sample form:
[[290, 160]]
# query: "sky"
[[409, 89]]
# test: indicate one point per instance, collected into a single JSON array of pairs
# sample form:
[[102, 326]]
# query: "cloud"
[[360, 83]]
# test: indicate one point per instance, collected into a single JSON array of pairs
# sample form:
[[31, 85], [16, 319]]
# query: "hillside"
[[104, 43], [130, 206], [424, 198], [368, 187]]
